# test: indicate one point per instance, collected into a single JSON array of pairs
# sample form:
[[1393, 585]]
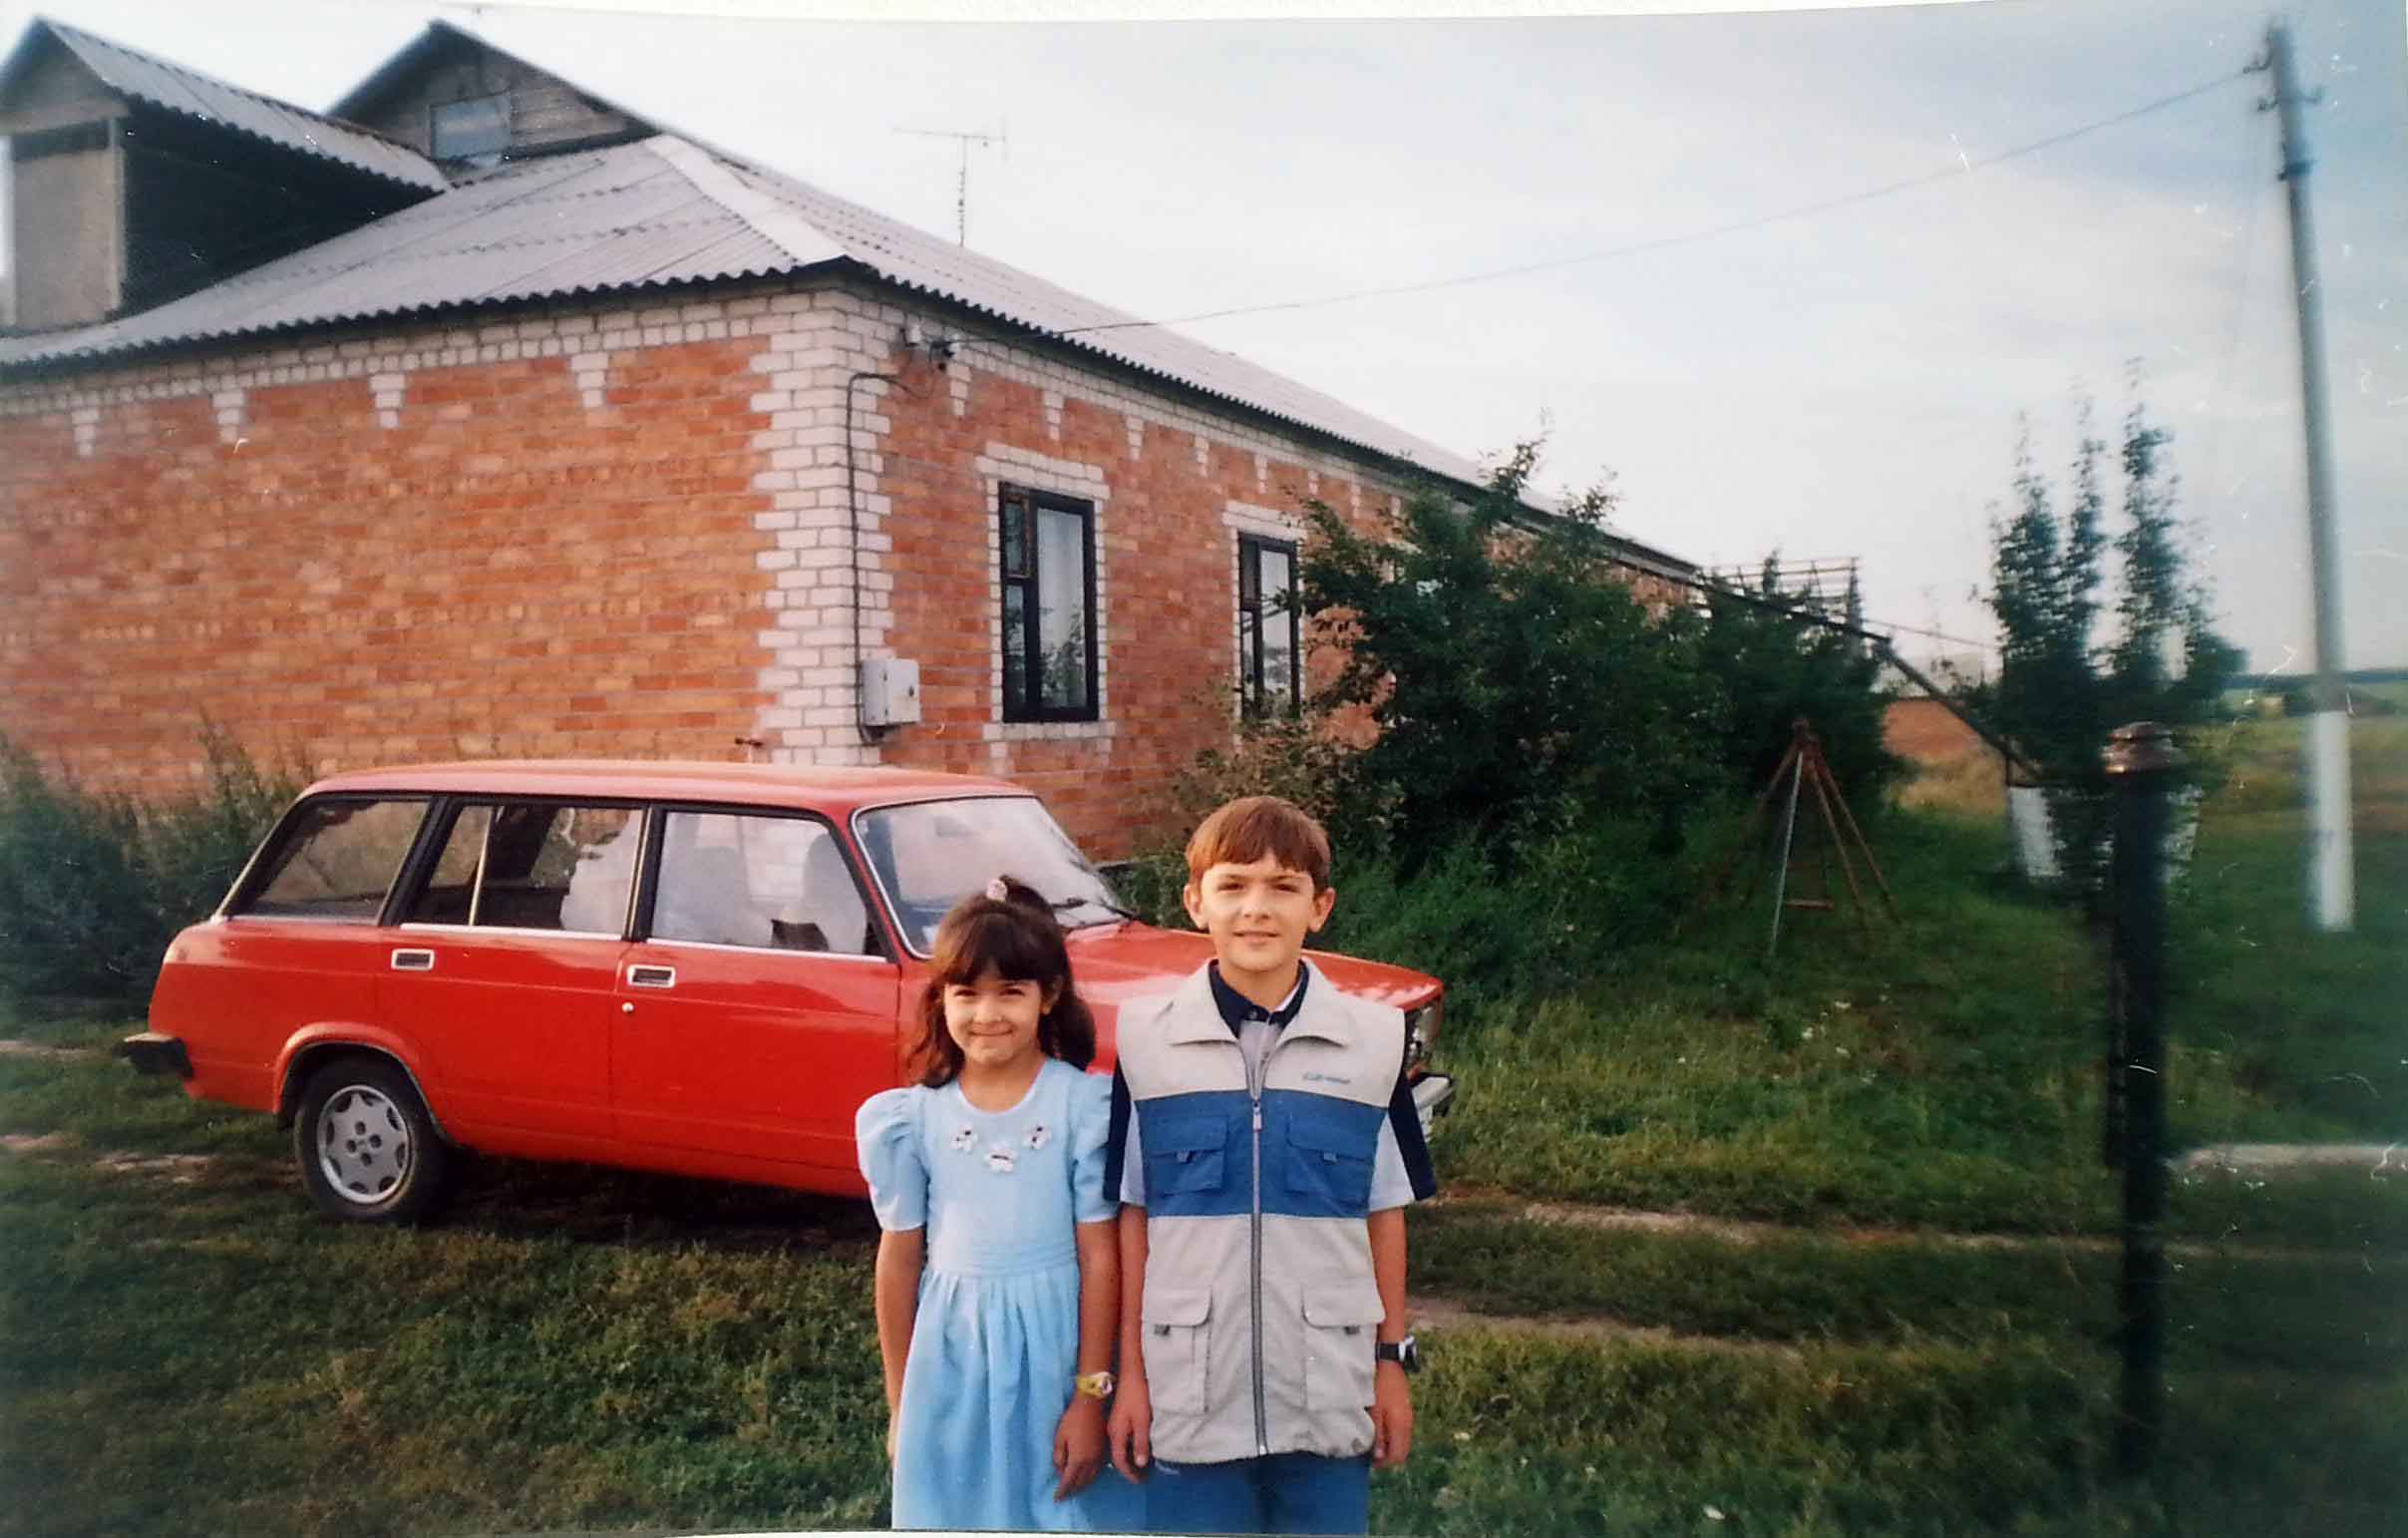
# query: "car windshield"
[[930, 854]]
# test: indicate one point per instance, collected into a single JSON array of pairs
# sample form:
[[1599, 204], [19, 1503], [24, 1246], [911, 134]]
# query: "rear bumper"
[[150, 1052], [1433, 1098]]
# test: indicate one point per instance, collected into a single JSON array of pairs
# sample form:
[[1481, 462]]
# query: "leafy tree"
[[2061, 687], [1517, 687], [1772, 666]]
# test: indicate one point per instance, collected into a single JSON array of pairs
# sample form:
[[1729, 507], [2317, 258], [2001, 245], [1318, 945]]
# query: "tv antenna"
[[961, 183]]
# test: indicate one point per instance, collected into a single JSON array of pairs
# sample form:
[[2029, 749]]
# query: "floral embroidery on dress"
[[965, 1139], [1038, 1136], [1000, 1159]]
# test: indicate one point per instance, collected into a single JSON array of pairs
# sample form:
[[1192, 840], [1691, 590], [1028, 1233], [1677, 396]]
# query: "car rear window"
[[336, 859]]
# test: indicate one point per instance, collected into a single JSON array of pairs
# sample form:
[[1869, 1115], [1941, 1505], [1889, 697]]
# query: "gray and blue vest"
[[1260, 1312]]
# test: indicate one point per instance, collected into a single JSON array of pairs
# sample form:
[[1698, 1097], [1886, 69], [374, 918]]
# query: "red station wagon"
[[701, 968]]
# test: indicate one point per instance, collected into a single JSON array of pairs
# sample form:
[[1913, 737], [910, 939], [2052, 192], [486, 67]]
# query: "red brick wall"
[[1169, 561], [503, 570], [620, 530]]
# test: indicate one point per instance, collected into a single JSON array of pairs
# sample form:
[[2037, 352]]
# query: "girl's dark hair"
[[1016, 937]]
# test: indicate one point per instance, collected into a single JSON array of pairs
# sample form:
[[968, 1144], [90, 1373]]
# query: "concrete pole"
[[2332, 883]]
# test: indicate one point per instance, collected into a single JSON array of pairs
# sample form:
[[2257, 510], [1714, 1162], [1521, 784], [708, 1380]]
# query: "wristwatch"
[[1093, 1386], [1403, 1353]]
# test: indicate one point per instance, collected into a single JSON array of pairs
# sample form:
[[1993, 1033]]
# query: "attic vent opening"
[[478, 126]]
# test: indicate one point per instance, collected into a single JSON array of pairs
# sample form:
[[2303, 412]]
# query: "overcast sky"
[[1843, 383]]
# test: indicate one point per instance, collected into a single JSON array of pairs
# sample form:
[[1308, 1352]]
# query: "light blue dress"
[[995, 1343]]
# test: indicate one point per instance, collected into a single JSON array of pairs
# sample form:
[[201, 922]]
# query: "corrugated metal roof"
[[668, 211], [196, 95], [665, 211]]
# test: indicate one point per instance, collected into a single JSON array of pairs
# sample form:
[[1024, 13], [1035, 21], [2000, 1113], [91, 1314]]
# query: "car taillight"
[[1421, 1029]]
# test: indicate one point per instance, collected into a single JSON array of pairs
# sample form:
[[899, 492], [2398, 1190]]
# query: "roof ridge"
[[803, 242]]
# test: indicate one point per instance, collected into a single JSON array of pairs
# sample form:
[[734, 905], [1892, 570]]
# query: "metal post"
[[1789, 828], [2331, 882], [2140, 761]]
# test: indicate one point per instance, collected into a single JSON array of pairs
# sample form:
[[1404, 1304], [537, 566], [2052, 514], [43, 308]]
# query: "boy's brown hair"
[[1248, 829]]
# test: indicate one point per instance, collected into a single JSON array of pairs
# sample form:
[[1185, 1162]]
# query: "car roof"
[[786, 785]]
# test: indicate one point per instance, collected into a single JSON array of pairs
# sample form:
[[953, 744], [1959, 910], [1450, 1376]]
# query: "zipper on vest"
[[1253, 1089]]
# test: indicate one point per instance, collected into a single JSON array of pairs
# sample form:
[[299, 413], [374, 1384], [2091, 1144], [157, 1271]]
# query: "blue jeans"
[[1287, 1492]]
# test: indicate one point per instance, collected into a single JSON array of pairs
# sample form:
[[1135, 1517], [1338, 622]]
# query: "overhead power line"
[[1963, 167]]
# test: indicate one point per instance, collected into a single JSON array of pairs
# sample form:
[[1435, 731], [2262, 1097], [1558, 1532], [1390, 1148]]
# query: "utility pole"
[[961, 185], [2330, 880]]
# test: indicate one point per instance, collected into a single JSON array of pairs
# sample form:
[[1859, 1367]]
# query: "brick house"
[[483, 417]]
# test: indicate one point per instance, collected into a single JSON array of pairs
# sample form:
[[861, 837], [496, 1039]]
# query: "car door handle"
[[642, 976], [413, 960]]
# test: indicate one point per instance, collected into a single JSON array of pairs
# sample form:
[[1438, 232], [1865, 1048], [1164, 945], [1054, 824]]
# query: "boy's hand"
[[1078, 1446], [1132, 1429], [1391, 1417]]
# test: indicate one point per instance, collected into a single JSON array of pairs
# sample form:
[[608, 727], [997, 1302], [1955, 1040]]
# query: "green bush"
[[93, 886]]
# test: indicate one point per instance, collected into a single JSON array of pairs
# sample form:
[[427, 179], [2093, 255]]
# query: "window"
[[336, 860], [478, 126], [769, 882], [1049, 640], [534, 865], [1269, 656]]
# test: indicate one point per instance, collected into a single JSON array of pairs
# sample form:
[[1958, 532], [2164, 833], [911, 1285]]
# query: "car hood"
[[1118, 961]]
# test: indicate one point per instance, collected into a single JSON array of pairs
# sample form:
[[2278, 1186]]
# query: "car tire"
[[368, 1150]]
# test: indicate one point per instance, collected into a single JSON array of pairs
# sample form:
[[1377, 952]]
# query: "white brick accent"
[[231, 406], [86, 423]]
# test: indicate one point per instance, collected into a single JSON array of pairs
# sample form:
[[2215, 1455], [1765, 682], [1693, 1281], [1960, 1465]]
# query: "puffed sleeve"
[[1089, 1122], [886, 1135]]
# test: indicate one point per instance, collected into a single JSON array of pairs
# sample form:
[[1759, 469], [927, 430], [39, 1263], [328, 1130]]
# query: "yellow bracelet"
[[1093, 1386]]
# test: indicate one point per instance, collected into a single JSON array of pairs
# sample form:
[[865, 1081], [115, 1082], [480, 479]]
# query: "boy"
[[1264, 1145]]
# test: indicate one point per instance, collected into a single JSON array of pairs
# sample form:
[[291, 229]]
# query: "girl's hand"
[[1079, 1445], [890, 1441]]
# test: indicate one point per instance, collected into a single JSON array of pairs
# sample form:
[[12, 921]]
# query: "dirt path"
[[1747, 1230], [10, 1047]]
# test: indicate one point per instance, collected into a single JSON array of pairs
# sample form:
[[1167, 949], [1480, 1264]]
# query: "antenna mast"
[[961, 185]]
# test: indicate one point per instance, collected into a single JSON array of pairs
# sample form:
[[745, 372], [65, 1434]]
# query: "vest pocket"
[[1341, 1331], [1185, 1156], [1177, 1324], [1325, 1166]]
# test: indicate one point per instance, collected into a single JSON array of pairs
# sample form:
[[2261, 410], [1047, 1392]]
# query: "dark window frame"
[[1028, 579], [1253, 698]]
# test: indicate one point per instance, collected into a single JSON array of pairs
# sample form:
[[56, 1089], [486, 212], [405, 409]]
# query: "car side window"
[[774, 883], [534, 865], [337, 860]]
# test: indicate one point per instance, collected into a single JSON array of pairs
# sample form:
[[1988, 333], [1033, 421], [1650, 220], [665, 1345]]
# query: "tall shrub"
[[1517, 689], [1773, 666], [2061, 687], [93, 886]]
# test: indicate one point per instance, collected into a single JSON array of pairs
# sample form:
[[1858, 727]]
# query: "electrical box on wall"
[[889, 691]]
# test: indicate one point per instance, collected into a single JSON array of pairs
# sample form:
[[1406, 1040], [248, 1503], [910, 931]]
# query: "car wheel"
[[368, 1150]]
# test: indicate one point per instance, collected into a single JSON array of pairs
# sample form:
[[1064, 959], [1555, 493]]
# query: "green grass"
[[1537, 1436], [2326, 1312], [208, 1357]]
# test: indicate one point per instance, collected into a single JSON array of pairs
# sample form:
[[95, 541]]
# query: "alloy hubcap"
[[363, 1144]]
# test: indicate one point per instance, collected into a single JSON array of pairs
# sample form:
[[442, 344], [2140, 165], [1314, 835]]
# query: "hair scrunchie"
[[997, 892]]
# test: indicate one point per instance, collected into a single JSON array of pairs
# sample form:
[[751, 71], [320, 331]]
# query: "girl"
[[997, 1288]]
